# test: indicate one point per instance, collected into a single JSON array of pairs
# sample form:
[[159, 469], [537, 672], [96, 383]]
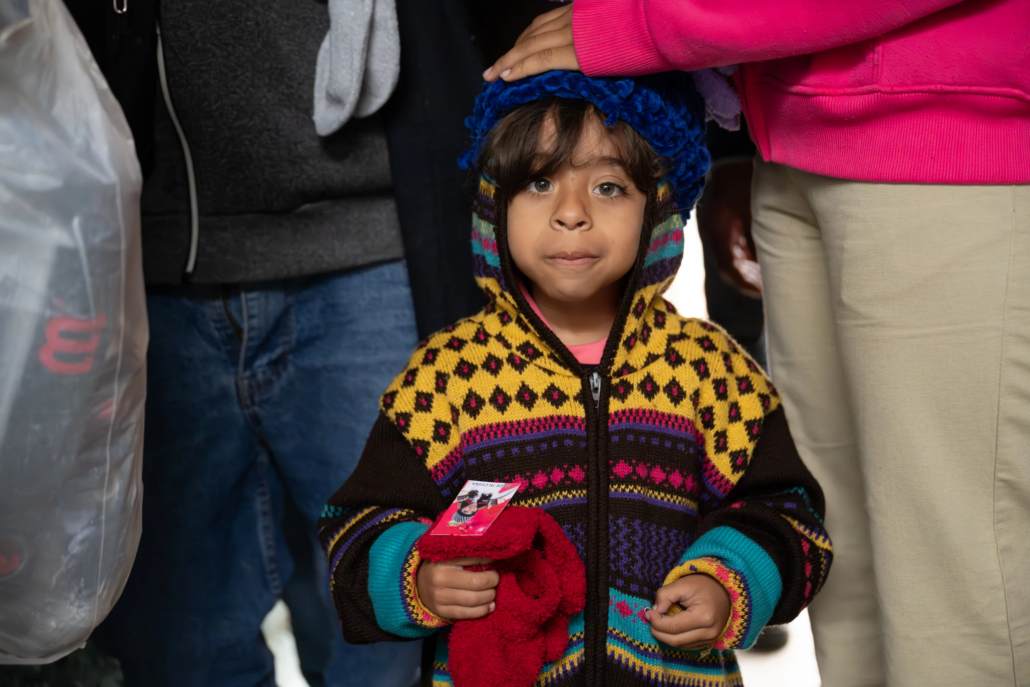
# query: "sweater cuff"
[[612, 38], [392, 568], [734, 585], [748, 574]]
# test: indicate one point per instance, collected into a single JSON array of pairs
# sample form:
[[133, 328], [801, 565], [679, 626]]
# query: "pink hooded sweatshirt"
[[916, 91]]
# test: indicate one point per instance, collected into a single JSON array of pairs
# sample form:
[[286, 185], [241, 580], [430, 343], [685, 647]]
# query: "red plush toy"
[[543, 583]]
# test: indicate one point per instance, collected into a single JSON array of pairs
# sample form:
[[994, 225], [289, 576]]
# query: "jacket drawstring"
[[190, 177]]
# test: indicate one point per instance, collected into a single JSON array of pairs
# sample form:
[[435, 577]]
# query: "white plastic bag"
[[73, 338]]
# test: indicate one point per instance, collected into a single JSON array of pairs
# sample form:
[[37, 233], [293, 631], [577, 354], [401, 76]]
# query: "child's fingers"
[[695, 617], [686, 640], [662, 607], [459, 578], [664, 598], [464, 562], [479, 581], [695, 626], [465, 598], [464, 612]]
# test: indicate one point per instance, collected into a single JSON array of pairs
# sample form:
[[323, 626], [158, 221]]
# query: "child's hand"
[[453, 593], [706, 608]]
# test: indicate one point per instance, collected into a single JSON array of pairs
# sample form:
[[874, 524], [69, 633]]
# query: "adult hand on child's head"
[[545, 45], [453, 593], [706, 608]]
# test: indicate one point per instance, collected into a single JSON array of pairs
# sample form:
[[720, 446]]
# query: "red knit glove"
[[542, 584]]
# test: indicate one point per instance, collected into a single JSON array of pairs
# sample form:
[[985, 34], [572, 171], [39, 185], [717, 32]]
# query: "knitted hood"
[[668, 113]]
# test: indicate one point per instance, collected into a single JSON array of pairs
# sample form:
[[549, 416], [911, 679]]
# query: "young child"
[[653, 440]]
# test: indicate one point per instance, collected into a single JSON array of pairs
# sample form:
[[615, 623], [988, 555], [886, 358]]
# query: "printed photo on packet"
[[476, 507]]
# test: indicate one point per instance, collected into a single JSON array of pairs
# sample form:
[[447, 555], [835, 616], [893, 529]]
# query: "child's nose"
[[571, 214]]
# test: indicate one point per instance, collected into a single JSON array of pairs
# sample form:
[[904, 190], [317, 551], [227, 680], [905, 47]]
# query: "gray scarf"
[[358, 63]]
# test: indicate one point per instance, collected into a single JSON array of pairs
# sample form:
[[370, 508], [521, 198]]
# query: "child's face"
[[576, 232]]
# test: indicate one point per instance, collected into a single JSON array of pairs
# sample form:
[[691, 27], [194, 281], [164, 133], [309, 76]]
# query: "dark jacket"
[[275, 200]]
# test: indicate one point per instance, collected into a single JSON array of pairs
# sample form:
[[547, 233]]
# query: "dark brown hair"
[[512, 159]]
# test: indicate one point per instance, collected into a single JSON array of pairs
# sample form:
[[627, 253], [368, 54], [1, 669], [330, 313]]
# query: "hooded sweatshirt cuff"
[[392, 584], [748, 574], [612, 38]]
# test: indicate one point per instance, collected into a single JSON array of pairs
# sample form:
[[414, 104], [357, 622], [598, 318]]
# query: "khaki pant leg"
[[805, 365], [1012, 479], [930, 287]]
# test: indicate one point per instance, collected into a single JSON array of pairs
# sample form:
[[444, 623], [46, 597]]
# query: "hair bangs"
[[515, 154]]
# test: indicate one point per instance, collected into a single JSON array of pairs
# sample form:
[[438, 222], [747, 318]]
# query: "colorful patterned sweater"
[[675, 459]]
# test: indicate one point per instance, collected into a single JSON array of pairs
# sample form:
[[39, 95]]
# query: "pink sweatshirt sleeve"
[[631, 37]]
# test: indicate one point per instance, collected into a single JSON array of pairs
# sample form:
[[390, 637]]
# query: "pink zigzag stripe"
[[652, 417]]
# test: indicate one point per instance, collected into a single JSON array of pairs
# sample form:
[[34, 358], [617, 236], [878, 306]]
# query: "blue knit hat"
[[663, 108]]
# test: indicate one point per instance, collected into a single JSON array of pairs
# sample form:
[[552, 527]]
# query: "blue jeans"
[[260, 399]]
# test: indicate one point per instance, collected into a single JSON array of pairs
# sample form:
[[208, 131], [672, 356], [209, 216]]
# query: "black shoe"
[[773, 638]]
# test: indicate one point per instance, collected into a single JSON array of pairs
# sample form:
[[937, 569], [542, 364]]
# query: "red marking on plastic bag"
[[75, 340], [9, 563]]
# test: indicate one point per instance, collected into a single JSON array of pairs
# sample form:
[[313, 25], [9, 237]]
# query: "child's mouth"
[[572, 259]]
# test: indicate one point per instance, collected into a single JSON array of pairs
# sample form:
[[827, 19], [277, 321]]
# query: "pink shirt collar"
[[586, 354]]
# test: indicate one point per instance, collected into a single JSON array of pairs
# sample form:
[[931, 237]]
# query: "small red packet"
[[476, 507]]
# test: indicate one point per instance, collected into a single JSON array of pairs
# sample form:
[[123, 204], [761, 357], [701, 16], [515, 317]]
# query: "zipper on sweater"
[[595, 389], [596, 612]]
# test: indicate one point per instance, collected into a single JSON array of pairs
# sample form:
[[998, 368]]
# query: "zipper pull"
[[595, 388]]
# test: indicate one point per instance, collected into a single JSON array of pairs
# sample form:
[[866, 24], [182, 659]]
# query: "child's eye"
[[609, 190], [540, 186]]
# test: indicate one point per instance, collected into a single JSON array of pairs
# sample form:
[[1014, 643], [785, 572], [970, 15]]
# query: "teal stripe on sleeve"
[[386, 561], [760, 574]]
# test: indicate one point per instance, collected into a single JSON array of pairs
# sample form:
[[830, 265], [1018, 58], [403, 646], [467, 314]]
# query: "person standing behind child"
[[285, 272], [891, 206], [655, 442]]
